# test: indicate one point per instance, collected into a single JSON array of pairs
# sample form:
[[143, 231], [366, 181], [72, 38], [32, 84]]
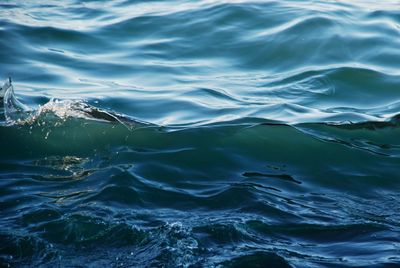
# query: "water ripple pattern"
[[200, 133]]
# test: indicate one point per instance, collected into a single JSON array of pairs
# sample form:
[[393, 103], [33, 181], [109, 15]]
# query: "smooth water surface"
[[200, 133]]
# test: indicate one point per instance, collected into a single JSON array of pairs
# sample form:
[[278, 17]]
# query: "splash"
[[13, 109], [16, 113]]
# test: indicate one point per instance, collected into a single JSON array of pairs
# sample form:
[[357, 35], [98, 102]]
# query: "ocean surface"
[[200, 133]]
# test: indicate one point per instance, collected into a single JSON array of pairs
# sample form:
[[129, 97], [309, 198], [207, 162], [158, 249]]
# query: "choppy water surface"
[[200, 133]]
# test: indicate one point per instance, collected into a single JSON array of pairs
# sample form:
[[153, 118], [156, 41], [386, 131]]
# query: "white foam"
[[64, 109]]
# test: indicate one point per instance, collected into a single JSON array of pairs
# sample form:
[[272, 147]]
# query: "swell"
[[67, 118]]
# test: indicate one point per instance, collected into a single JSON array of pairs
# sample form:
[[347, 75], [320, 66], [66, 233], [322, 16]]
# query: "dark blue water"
[[200, 133]]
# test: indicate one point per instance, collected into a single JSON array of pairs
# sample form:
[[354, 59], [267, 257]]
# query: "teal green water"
[[200, 133]]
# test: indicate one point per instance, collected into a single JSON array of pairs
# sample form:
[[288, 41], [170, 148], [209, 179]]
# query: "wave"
[[15, 112], [81, 124]]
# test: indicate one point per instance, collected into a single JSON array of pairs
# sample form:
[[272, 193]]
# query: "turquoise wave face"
[[200, 133]]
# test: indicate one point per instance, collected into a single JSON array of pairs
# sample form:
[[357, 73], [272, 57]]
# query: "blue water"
[[200, 133]]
